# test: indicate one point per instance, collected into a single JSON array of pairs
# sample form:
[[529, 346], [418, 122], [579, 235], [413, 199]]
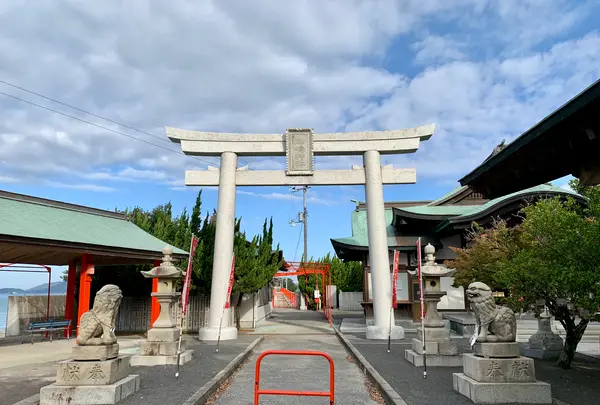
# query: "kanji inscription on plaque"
[[299, 152]]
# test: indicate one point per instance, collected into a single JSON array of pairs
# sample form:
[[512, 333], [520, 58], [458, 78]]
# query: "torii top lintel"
[[200, 143]]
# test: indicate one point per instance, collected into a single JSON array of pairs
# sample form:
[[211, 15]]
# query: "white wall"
[[455, 297], [350, 301], [252, 313]]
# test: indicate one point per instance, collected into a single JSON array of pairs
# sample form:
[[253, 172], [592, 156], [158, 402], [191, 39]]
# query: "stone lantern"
[[440, 350], [162, 341]]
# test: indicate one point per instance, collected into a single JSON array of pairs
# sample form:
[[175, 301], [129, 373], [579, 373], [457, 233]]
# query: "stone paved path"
[[298, 330]]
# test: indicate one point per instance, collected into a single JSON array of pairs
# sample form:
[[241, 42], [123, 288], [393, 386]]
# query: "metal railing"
[[258, 391]]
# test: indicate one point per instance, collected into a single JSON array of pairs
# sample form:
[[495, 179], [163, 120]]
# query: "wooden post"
[[155, 309]]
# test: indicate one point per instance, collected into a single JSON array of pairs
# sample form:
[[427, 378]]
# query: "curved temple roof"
[[442, 215]]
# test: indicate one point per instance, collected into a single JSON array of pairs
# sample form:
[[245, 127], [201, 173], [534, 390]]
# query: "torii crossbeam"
[[299, 146]]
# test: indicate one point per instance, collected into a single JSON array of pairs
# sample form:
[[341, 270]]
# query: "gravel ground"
[[158, 385], [578, 386], [18, 383]]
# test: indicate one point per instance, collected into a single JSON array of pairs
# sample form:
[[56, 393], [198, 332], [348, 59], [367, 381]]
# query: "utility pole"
[[303, 219]]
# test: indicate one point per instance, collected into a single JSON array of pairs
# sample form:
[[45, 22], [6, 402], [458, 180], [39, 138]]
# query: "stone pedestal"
[[440, 350], [160, 348], [161, 345], [496, 374], [91, 382], [544, 344]]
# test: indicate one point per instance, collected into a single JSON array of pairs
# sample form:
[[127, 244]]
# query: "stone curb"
[[204, 393], [390, 396]]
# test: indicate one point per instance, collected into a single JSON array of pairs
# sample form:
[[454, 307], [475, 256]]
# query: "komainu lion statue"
[[496, 324], [96, 327]]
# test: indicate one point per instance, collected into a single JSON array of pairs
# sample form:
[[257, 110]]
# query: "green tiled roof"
[[65, 223], [441, 210], [448, 195], [543, 188], [454, 213]]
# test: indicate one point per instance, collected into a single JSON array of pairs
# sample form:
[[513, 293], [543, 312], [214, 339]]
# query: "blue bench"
[[48, 327]]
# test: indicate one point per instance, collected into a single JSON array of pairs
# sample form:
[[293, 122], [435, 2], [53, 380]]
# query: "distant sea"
[[3, 310]]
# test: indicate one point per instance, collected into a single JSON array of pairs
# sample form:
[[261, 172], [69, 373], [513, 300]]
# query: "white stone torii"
[[300, 146]]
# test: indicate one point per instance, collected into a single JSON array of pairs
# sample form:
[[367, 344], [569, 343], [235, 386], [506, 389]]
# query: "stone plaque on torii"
[[299, 146]]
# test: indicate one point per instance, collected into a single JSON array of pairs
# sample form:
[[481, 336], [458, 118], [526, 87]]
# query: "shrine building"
[[443, 223]]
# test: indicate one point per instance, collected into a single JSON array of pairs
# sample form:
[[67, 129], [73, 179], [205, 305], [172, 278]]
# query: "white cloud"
[[289, 197], [85, 187], [266, 66], [433, 48]]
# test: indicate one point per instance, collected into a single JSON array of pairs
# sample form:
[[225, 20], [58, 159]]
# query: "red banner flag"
[[395, 279], [231, 278], [185, 292]]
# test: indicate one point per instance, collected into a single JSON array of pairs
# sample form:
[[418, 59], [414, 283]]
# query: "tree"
[[255, 263], [552, 255], [487, 251]]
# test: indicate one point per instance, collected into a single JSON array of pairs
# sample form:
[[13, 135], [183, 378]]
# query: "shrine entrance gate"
[[299, 146]]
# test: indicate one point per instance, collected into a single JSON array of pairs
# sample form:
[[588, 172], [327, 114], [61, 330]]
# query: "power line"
[[82, 110], [100, 126]]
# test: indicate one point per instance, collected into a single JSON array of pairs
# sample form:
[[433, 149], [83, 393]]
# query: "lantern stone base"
[[54, 394], [439, 354], [497, 374], [211, 334]]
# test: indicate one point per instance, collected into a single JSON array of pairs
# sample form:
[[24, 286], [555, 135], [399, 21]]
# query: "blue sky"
[[482, 70]]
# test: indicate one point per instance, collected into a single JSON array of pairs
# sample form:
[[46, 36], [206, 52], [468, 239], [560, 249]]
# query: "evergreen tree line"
[[255, 264], [255, 259]]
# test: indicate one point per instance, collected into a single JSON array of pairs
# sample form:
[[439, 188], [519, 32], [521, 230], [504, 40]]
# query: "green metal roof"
[[448, 195], [453, 213], [480, 209], [441, 210], [29, 217]]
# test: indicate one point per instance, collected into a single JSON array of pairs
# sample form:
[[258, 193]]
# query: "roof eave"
[[565, 111]]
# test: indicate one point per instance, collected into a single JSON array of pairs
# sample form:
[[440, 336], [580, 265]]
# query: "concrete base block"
[[159, 360], [381, 333], [434, 334], [447, 348], [89, 394], [163, 335], [514, 370], [76, 373], [102, 352], [433, 360], [211, 334], [502, 393], [497, 350], [540, 353]]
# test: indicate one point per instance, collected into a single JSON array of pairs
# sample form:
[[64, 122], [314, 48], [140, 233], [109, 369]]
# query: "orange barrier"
[[258, 391]]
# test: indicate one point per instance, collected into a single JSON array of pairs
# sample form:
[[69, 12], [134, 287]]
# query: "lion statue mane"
[[96, 327], [496, 324]]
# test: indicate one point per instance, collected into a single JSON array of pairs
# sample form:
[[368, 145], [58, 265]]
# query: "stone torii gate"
[[299, 146]]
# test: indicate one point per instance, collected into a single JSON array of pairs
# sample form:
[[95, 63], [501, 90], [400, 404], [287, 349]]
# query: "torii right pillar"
[[299, 146]]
